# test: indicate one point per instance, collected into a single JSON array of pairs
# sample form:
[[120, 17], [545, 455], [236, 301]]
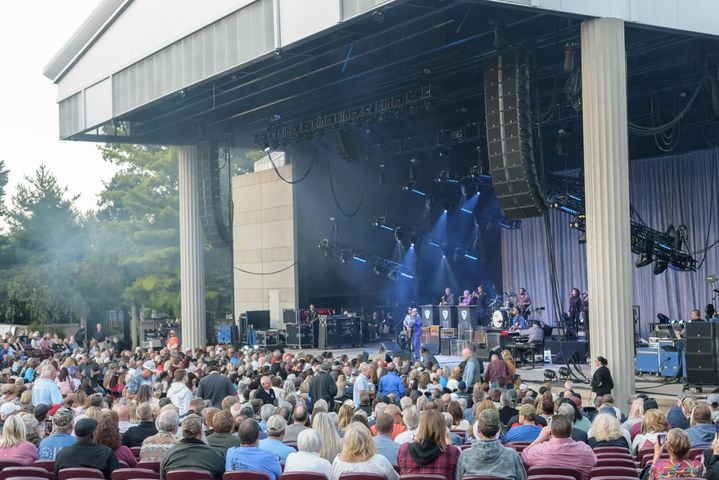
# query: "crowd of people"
[[222, 408]]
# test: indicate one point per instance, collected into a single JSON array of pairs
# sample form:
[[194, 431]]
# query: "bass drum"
[[500, 319]]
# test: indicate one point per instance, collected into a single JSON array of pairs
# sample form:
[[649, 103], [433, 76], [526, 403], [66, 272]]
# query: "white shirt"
[[376, 464], [308, 462], [405, 437]]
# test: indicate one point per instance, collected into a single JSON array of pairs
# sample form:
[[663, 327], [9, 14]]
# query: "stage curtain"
[[676, 189]]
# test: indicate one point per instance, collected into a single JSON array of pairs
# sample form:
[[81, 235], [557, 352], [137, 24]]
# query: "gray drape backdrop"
[[677, 189]]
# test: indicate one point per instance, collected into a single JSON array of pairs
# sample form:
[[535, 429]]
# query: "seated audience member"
[[430, 453], [677, 465], [487, 456], [85, 452], [273, 443], [654, 423], [327, 430], [711, 460], [383, 440], [107, 434], [411, 421], [527, 430], [61, 436], [307, 457], [155, 447], [702, 432], [248, 456], [300, 416], [192, 452], [607, 432], [134, 436], [507, 411], [222, 437], [359, 455], [13, 445], [555, 447]]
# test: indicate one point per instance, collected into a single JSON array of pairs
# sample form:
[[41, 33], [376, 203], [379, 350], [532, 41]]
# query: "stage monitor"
[[259, 319]]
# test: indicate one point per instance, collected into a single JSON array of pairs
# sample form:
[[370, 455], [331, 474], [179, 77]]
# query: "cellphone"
[[661, 438]]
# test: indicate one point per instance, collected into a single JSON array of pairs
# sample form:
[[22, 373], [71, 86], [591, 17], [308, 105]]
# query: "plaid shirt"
[[445, 464]]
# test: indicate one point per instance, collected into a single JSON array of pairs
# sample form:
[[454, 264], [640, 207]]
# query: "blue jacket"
[[391, 383], [701, 434], [253, 458]]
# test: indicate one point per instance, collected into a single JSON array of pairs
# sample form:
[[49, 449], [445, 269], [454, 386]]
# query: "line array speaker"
[[509, 135], [702, 350], [215, 223]]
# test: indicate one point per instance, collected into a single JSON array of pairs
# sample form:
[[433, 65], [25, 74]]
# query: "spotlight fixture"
[[392, 275], [660, 265], [343, 256], [645, 256], [582, 239], [382, 175], [378, 16], [428, 203], [564, 373], [550, 375], [377, 269], [413, 170], [409, 186], [711, 279]]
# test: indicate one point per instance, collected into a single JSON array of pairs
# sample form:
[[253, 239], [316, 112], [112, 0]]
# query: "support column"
[[134, 327], [192, 265], [606, 176]]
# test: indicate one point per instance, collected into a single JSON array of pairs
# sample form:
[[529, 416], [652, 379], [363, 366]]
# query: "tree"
[[4, 176], [45, 247]]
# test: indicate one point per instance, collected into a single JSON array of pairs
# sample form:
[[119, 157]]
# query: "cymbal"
[[510, 294]]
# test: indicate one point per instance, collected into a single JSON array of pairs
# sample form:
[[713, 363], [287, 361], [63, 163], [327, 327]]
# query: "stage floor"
[[664, 392]]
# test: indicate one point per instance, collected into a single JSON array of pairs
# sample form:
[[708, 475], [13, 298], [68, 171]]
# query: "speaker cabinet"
[[509, 135]]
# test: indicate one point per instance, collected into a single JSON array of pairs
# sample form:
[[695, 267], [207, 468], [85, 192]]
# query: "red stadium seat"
[[548, 477], [245, 475], [188, 474], [136, 451], [79, 472], [552, 470], [303, 476], [616, 462], [26, 471], [362, 476], [4, 464], [614, 472], [424, 476], [48, 465], [620, 450], [132, 473], [479, 477], [26, 478], [149, 465]]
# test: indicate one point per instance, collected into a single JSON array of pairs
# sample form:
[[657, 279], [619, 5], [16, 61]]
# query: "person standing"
[[481, 300], [524, 302], [360, 388], [80, 335], [473, 369], [215, 387], [416, 332], [45, 391], [602, 383], [100, 336], [323, 387], [448, 298], [575, 309]]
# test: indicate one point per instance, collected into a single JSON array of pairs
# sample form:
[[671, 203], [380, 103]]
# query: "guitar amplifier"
[[300, 335], [268, 338]]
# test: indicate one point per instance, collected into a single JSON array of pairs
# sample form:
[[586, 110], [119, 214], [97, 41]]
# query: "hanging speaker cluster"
[[509, 136]]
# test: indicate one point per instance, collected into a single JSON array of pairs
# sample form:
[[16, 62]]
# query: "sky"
[[31, 32]]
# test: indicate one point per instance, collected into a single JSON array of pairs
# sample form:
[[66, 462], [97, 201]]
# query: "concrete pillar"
[[192, 265], [606, 175]]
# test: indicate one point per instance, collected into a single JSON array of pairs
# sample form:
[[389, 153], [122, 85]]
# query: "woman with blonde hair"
[[511, 365], [677, 465], [13, 445], [654, 422], [345, 413], [331, 442], [93, 412], [431, 453], [606, 431], [341, 386], [359, 455]]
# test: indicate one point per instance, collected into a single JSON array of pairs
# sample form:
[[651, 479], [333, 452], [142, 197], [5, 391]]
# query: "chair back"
[[549, 477], [613, 472], [544, 470], [149, 465], [425, 476], [48, 465], [79, 472], [476, 477], [4, 464], [245, 475], [136, 451], [25, 471], [362, 476], [132, 473], [303, 476], [620, 450], [188, 474], [26, 478]]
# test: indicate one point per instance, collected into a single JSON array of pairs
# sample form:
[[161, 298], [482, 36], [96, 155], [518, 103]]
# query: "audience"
[[248, 456], [359, 455], [61, 436], [85, 452], [431, 452], [383, 440], [307, 457], [192, 452], [13, 445], [155, 446], [677, 465]]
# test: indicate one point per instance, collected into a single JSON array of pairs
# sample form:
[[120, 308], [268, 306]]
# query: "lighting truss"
[[395, 106], [665, 248], [446, 137], [380, 265]]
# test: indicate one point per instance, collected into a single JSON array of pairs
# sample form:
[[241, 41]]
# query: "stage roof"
[[179, 71]]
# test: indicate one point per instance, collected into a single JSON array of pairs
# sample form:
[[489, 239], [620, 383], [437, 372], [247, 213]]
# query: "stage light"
[[550, 375], [471, 257], [660, 265], [418, 192], [445, 210], [582, 238], [428, 203], [645, 257], [359, 259], [465, 210], [564, 373], [392, 275], [377, 269], [382, 175], [407, 275], [343, 256]]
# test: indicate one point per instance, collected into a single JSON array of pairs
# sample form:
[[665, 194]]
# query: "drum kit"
[[501, 307]]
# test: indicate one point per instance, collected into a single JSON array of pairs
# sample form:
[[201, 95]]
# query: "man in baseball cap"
[[275, 433], [86, 453], [143, 377], [61, 436]]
